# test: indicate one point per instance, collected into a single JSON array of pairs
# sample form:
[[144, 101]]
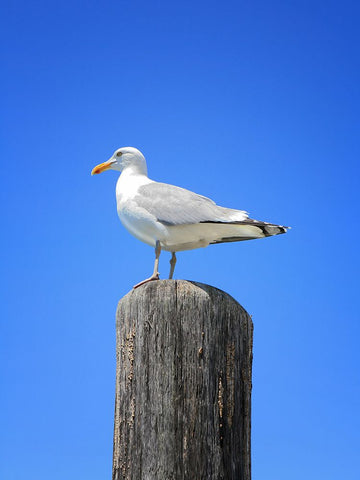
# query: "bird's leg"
[[155, 275], [172, 265]]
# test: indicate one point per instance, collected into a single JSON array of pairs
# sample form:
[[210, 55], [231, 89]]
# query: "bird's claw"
[[150, 279]]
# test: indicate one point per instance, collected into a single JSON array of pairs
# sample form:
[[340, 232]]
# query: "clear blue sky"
[[254, 103]]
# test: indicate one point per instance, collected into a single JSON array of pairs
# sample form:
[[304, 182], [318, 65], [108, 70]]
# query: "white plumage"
[[173, 218]]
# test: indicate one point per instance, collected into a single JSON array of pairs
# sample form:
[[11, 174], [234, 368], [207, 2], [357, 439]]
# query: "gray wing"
[[173, 205]]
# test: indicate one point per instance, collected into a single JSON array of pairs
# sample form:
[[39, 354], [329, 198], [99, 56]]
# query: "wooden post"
[[183, 384]]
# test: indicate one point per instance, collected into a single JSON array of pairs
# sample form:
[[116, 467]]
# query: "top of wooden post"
[[165, 289]]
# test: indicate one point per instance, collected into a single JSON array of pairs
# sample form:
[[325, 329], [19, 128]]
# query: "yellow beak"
[[101, 168]]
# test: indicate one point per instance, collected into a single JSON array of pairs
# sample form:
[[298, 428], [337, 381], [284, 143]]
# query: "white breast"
[[136, 220]]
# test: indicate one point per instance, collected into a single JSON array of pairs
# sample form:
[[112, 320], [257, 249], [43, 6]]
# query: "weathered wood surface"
[[183, 384]]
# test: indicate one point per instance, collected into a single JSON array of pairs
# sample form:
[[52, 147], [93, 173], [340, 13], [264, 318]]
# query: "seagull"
[[171, 218]]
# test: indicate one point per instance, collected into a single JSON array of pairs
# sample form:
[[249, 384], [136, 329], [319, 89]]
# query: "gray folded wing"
[[173, 205]]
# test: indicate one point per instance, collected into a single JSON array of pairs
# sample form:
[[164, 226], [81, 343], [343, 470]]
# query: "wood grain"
[[183, 384]]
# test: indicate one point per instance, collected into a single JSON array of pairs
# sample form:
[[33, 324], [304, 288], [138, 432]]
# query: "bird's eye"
[[119, 154]]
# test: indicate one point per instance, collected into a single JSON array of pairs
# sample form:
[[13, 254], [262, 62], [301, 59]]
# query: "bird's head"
[[123, 158]]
